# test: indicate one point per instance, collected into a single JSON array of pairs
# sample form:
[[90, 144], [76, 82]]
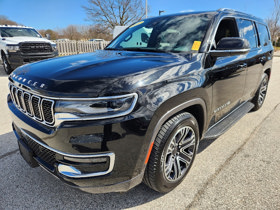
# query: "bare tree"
[[115, 12], [53, 34], [273, 21], [4, 20], [72, 33], [95, 32]]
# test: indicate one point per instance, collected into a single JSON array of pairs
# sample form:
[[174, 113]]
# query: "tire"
[[7, 67], [259, 98], [173, 153]]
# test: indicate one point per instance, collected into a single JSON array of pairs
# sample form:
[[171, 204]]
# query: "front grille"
[[39, 151], [35, 47], [39, 108]]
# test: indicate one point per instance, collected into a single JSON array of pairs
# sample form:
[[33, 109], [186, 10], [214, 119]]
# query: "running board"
[[223, 125]]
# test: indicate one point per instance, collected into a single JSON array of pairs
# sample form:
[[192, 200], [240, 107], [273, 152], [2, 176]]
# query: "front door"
[[227, 75]]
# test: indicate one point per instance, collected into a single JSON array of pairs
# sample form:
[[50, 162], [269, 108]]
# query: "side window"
[[263, 34], [227, 28], [247, 31]]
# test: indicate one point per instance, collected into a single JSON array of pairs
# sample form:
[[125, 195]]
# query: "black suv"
[[106, 121]]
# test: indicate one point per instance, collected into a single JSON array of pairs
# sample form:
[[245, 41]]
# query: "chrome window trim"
[[66, 169], [230, 51]]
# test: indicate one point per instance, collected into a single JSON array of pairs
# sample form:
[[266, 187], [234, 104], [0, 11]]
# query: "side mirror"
[[144, 38], [229, 46], [48, 36]]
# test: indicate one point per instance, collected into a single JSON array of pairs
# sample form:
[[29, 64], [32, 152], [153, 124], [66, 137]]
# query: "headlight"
[[53, 46], [96, 108], [12, 48]]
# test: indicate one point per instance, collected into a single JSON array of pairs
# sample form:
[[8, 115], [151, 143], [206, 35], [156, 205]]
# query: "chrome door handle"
[[242, 66]]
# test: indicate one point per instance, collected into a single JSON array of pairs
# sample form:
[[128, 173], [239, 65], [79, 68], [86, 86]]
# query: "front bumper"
[[17, 59], [112, 160]]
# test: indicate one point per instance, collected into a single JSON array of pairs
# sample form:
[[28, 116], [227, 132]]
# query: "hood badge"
[[28, 82]]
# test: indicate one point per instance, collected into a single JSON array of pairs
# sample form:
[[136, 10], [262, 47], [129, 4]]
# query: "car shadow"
[[204, 143]]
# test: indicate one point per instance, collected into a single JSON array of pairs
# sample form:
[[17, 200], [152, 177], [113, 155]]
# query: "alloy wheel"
[[180, 153], [263, 90]]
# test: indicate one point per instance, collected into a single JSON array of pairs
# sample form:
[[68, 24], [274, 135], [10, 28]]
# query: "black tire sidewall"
[[256, 97], [165, 185], [7, 69]]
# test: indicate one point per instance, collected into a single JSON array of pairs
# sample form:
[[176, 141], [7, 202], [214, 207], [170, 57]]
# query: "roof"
[[14, 26], [225, 11]]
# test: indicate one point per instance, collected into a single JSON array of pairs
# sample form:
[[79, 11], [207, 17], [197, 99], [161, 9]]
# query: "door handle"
[[242, 66], [262, 59]]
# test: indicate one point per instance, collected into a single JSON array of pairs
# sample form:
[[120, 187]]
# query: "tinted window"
[[263, 34], [175, 34], [227, 28], [247, 31]]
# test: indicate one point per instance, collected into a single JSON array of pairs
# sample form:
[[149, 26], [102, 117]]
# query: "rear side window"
[[247, 31], [263, 34]]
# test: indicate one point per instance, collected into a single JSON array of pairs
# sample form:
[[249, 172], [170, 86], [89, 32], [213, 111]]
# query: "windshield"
[[11, 32], [165, 34]]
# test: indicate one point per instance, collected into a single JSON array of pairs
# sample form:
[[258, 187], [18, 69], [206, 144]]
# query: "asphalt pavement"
[[238, 170]]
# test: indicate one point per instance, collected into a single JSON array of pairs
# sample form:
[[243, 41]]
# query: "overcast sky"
[[54, 14]]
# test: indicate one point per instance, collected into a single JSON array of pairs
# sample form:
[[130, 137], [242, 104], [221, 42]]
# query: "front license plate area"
[[27, 154]]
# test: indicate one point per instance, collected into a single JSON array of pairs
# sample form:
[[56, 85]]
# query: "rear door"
[[247, 29]]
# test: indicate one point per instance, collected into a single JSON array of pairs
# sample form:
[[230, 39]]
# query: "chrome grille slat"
[[27, 99], [20, 99], [38, 108], [14, 91], [35, 102]]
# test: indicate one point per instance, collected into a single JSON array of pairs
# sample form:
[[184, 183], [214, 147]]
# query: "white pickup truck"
[[21, 44]]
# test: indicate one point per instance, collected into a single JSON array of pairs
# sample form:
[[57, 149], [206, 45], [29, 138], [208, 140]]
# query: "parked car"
[[107, 120], [20, 45]]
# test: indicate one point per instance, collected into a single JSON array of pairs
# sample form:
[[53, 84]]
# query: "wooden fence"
[[77, 47]]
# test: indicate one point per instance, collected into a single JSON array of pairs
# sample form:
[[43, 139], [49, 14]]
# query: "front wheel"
[[7, 67], [173, 153], [259, 98]]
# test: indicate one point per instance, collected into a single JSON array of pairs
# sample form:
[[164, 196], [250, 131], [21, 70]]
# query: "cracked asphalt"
[[238, 170]]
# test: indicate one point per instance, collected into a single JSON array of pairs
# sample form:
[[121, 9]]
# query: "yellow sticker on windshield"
[[196, 45], [136, 24]]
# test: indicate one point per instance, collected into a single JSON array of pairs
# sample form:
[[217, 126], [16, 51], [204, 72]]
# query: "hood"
[[17, 39], [89, 74]]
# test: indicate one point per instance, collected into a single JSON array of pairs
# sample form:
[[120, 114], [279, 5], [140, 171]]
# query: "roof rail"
[[232, 10], [16, 26]]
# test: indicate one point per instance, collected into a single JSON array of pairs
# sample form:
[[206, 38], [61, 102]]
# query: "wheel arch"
[[196, 107]]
